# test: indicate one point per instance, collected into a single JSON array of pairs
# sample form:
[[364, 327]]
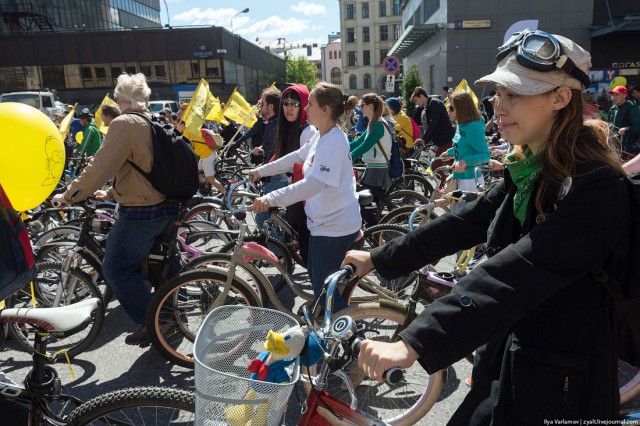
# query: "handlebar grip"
[[392, 376], [56, 204]]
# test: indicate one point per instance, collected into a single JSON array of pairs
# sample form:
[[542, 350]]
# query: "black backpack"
[[17, 265], [396, 166], [626, 297], [175, 166]]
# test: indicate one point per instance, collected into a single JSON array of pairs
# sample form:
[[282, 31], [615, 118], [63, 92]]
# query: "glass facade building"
[[74, 15]]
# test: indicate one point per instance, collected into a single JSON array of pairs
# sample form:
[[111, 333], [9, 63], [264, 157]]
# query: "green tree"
[[300, 70], [412, 79]]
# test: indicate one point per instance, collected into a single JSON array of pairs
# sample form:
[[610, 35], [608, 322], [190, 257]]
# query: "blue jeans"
[[128, 245], [325, 257], [276, 182]]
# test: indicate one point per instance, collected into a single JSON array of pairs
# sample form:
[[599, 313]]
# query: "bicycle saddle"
[[365, 197], [65, 318]]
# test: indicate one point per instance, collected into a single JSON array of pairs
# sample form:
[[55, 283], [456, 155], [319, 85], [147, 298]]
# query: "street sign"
[[390, 83], [391, 64]]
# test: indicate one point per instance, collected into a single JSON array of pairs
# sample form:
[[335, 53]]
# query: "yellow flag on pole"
[[239, 110], [463, 86], [98, 118], [66, 122], [198, 109], [216, 112]]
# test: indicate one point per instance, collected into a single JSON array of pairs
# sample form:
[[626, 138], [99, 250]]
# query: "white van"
[[156, 106], [44, 101]]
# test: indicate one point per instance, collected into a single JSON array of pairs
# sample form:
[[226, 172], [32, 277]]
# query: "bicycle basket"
[[228, 340]]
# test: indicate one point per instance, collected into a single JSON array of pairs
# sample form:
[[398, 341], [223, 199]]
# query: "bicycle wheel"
[[414, 182], [137, 406], [401, 404], [403, 197], [401, 215], [372, 286], [223, 260], [46, 285], [179, 307], [286, 260]]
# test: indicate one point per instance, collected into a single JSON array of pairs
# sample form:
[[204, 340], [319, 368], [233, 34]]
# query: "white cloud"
[[309, 8], [217, 17], [274, 27]]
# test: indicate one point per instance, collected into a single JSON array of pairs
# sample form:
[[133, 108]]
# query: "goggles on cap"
[[541, 51]]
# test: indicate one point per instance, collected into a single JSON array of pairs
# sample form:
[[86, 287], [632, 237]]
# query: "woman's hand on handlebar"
[[460, 166], [377, 357], [254, 176], [360, 259], [58, 200], [260, 204]]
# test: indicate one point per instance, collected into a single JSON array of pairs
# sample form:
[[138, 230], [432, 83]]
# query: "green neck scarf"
[[524, 173]]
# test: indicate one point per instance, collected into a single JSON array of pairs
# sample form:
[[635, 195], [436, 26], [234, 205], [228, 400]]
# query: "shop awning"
[[412, 38]]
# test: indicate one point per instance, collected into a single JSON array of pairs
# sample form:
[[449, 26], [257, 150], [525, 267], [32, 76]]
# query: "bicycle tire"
[[75, 344], [279, 283], [399, 405], [69, 233], [179, 307], [141, 404], [414, 182], [401, 215], [629, 379], [395, 199]]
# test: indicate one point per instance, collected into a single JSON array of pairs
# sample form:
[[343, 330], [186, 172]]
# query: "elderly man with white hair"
[[144, 214]]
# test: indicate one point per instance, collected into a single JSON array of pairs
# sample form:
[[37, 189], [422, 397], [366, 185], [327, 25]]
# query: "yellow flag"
[[463, 86], [98, 119], [199, 106], [66, 122], [216, 112], [239, 110]]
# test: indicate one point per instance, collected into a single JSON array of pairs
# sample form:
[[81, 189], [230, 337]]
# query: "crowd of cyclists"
[[538, 322]]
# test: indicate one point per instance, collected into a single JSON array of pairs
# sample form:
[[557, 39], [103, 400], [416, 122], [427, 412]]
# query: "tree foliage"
[[412, 79], [300, 70]]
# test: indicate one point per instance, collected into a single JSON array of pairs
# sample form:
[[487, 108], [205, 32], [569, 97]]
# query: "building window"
[[350, 12], [384, 33], [366, 57], [383, 54], [383, 8], [397, 31], [131, 69], [101, 72], [330, 54], [351, 59], [115, 72], [365, 10], [353, 82], [336, 76], [86, 73], [339, 54], [146, 70], [212, 72], [395, 5], [365, 34], [367, 81], [351, 36], [161, 71], [195, 69], [309, 50]]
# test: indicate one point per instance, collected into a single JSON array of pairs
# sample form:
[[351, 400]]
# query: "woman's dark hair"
[[466, 110], [572, 141], [350, 104], [330, 95], [288, 133], [378, 106], [110, 110]]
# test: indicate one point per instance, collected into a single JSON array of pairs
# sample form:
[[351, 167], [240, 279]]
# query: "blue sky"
[[296, 21]]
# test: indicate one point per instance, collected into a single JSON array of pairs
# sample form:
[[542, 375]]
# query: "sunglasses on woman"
[[291, 103], [451, 108]]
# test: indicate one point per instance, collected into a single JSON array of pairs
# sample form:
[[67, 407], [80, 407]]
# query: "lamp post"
[[221, 53], [167, 9], [246, 10]]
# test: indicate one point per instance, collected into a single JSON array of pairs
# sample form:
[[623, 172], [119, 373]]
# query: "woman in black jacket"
[[541, 322]]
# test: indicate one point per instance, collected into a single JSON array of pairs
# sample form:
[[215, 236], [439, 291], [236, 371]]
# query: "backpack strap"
[[608, 282], [134, 165], [386, 125]]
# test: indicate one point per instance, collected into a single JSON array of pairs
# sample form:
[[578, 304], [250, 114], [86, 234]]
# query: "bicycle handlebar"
[[392, 376]]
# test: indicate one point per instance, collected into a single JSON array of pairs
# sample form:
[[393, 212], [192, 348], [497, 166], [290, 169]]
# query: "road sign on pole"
[[390, 83], [391, 64]]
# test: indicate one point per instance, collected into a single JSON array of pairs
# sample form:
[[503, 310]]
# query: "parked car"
[[156, 106], [44, 101]]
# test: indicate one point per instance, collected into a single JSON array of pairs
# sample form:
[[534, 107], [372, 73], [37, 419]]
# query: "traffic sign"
[[391, 64], [390, 83]]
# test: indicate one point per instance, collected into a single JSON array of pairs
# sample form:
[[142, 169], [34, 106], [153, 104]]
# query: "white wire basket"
[[228, 340]]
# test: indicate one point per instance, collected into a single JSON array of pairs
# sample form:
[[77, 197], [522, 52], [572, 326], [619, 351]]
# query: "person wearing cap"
[[624, 115], [403, 125], [541, 323], [91, 137]]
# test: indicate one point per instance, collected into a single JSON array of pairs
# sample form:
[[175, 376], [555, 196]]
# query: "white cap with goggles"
[[536, 62]]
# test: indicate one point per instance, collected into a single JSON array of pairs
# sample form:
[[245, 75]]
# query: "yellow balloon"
[[31, 155], [79, 137], [618, 81]]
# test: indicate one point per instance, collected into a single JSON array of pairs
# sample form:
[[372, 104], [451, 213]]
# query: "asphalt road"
[[111, 365]]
